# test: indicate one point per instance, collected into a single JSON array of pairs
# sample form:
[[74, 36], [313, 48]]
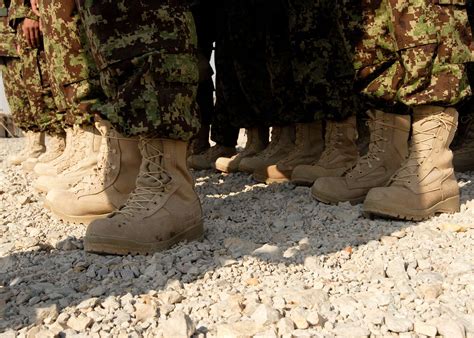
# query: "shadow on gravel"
[[247, 216]]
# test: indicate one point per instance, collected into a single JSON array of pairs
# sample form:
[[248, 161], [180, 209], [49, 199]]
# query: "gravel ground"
[[273, 263]]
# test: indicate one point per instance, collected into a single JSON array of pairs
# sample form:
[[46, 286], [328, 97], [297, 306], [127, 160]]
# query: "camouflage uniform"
[[300, 66], [243, 83], [11, 67], [27, 80], [147, 58], [204, 12], [414, 53], [75, 80], [322, 34]]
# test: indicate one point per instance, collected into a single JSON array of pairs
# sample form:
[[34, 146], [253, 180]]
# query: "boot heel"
[[449, 206]]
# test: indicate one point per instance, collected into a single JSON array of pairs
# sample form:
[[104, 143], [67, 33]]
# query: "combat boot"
[[163, 209], [340, 154], [281, 143], [463, 145], [200, 143], [107, 187], [308, 147], [78, 145], [425, 185], [388, 148], [71, 176], [207, 159], [34, 148], [54, 148], [257, 141]]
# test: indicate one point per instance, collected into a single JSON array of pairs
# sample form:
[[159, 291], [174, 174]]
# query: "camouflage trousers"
[[16, 94], [414, 55], [243, 85], [204, 13], [300, 67], [321, 58], [148, 67], [28, 90], [74, 76]]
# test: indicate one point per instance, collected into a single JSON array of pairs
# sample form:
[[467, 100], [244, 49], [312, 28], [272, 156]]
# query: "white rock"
[[46, 314], [238, 247], [144, 311], [298, 316], [79, 323], [449, 328], [398, 324], [396, 268], [425, 329], [285, 326], [265, 315], [267, 251], [178, 325], [240, 329], [349, 330]]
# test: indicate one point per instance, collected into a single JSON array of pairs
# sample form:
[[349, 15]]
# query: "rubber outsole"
[[86, 220], [105, 245], [448, 206], [332, 201]]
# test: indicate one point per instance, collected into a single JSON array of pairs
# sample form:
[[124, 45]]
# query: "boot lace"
[[272, 147], [333, 141], [376, 125], [152, 181], [420, 149], [100, 171]]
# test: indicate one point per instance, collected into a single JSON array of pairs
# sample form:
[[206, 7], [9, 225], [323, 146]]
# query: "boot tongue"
[[152, 174]]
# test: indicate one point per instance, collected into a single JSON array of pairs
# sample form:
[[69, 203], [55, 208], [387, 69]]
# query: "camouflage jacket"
[[394, 25], [7, 34], [19, 10]]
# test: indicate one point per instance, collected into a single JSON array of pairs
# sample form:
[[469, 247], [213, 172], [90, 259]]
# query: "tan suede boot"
[[71, 176], [425, 185], [107, 187], [388, 148], [308, 147], [257, 141], [34, 148], [81, 141], [207, 159], [281, 143], [162, 211], [340, 154], [54, 148], [463, 145], [200, 143]]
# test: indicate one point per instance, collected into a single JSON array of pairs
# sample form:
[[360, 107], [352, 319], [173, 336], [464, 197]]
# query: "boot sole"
[[332, 201], [302, 182], [86, 220], [448, 206], [269, 180], [104, 245]]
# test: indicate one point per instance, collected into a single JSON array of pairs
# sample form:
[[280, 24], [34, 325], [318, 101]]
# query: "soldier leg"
[[433, 79], [76, 87], [17, 96], [151, 91]]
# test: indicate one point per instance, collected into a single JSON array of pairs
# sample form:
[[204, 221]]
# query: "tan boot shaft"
[[339, 155], [388, 148], [281, 143], [257, 141], [162, 210], [107, 187], [307, 149], [425, 184]]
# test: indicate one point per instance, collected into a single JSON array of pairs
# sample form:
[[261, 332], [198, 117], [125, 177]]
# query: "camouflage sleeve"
[[7, 40], [19, 10]]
